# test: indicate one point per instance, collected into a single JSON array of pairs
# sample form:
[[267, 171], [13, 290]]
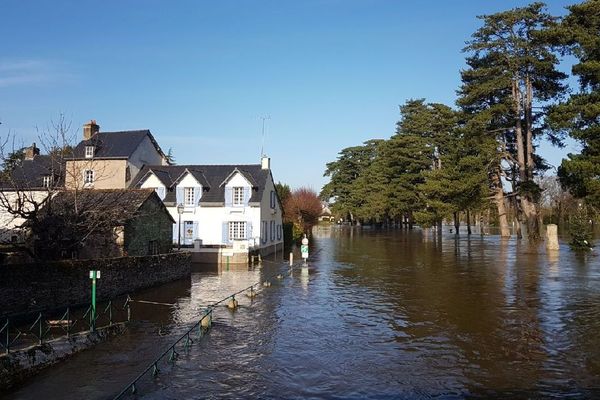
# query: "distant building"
[[326, 214], [29, 184], [226, 210], [110, 160]]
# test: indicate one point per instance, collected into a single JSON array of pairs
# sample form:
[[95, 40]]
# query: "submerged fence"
[[197, 331], [21, 331]]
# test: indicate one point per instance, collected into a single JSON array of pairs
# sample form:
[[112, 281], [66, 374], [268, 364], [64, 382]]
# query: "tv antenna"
[[262, 147]]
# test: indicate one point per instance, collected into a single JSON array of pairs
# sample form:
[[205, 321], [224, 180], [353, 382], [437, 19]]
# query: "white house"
[[224, 211]]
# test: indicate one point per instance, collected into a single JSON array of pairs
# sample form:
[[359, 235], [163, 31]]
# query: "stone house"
[[226, 212], [110, 160], [103, 223]]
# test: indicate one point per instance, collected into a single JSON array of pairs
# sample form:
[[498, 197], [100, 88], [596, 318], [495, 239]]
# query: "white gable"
[[152, 182], [188, 181], [238, 179]]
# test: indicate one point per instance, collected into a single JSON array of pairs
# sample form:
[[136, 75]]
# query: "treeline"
[[481, 154]]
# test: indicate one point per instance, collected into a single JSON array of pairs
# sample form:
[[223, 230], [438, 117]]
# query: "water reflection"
[[380, 314]]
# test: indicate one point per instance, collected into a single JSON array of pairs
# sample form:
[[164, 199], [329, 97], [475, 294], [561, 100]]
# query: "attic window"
[[89, 151], [47, 181]]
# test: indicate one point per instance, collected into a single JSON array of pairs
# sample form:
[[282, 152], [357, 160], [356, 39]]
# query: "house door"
[[188, 232]]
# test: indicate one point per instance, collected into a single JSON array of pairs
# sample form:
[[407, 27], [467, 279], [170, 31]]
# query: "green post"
[[93, 276], [227, 263]]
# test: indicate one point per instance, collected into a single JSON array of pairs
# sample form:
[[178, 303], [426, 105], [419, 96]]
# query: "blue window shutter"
[[278, 232], [248, 230], [195, 235], [175, 226], [272, 199], [228, 196], [225, 232], [263, 232], [161, 193], [247, 195], [179, 195], [197, 193]]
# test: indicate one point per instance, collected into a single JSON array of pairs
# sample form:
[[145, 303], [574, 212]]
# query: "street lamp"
[[180, 208]]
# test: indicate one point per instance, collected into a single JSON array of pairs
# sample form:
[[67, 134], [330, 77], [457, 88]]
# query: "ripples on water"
[[377, 315]]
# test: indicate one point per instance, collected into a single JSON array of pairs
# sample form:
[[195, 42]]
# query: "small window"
[[272, 199], [89, 151], [238, 196], [153, 248], [189, 196], [47, 182], [88, 177], [237, 230], [272, 230]]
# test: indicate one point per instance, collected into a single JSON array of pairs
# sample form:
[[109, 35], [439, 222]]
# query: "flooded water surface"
[[376, 315]]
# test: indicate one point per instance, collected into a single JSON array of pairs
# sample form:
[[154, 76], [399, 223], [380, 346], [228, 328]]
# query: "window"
[[272, 199], [153, 248], [188, 196], [89, 151], [237, 230], [238, 196], [263, 232], [88, 177], [47, 182]]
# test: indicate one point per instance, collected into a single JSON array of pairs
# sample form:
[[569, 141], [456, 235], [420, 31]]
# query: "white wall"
[[270, 217]]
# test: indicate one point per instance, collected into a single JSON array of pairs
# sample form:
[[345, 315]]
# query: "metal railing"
[[18, 332], [201, 326]]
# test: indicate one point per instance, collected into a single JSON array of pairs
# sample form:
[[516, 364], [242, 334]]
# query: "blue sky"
[[200, 75]]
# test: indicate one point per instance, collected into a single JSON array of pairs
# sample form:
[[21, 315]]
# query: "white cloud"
[[30, 72]]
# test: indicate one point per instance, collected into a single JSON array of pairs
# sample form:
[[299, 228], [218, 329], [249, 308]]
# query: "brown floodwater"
[[378, 314]]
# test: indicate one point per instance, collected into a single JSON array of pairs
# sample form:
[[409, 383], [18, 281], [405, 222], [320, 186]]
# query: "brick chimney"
[[31, 152], [90, 129]]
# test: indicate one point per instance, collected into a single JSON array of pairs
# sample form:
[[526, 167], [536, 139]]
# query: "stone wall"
[[27, 287]]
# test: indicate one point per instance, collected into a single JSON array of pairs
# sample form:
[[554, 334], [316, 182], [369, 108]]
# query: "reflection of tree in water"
[[475, 303]]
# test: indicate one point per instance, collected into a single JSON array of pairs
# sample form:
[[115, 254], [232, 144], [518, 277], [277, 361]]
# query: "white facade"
[[232, 222]]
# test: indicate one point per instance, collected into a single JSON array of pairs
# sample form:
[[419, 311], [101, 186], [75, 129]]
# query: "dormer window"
[[47, 181], [238, 196], [89, 151]]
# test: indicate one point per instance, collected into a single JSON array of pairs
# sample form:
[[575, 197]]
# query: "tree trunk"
[[529, 128], [500, 206], [468, 222], [456, 222], [439, 227], [410, 221], [516, 93]]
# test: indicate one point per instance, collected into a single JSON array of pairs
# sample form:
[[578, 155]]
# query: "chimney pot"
[[90, 129], [31, 152]]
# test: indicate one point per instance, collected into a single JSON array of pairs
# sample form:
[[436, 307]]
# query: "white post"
[[291, 258], [552, 237]]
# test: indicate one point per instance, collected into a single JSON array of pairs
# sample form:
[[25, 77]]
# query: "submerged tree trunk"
[[468, 222], [457, 222], [500, 206]]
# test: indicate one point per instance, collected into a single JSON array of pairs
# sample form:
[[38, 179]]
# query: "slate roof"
[[126, 201], [121, 144], [211, 177], [29, 174]]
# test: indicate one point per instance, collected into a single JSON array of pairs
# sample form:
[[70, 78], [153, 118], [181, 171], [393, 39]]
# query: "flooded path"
[[377, 315]]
